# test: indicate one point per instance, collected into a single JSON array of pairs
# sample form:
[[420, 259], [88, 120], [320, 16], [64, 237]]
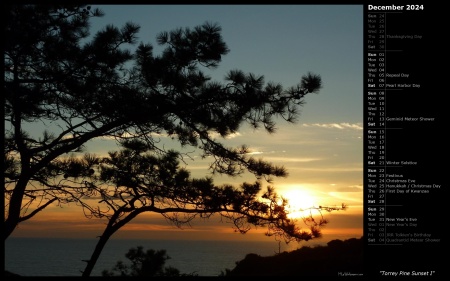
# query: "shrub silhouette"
[[144, 264]]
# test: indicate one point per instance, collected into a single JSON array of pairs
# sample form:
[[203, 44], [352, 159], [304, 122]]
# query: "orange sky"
[[69, 222], [325, 168]]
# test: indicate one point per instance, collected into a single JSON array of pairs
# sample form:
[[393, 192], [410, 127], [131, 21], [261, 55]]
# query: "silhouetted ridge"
[[338, 257]]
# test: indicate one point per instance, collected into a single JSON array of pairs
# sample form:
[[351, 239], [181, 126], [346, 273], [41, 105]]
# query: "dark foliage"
[[337, 257], [83, 88], [144, 264]]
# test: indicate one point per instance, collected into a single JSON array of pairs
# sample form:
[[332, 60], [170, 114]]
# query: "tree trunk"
[[109, 231], [15, 206]]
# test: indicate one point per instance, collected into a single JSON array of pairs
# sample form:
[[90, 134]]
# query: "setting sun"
[[298, 201]]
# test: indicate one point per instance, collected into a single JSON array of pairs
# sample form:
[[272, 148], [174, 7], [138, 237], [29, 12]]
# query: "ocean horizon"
[[64, 256]]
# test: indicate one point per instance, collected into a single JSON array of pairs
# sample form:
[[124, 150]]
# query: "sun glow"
[[299, 202]]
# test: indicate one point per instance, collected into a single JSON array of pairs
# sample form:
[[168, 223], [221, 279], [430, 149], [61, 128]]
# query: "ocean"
[[63, 257]]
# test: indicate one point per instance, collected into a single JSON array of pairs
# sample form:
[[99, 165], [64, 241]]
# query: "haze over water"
[[63, 257]]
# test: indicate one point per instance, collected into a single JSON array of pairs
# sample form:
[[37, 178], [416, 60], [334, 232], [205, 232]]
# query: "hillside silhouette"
[[338, 257]]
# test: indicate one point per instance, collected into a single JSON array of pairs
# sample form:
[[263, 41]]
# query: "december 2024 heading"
[[395, 7]]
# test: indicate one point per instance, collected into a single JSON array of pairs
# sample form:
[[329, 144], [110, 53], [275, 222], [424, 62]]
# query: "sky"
[[322, 152]]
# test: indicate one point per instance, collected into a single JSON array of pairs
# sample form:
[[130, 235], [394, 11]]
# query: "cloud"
[[328, 169], [255, 153], [288, 159], [230, 136], [341, 126], [353, 188], [347, 197], [126, 135]]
